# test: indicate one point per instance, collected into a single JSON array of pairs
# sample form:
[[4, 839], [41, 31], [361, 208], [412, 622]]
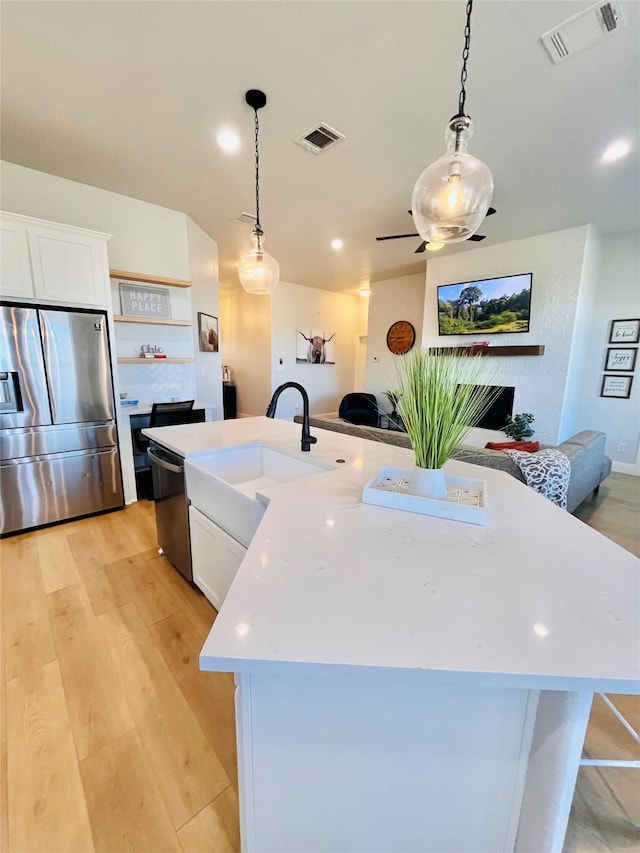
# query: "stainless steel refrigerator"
[[58, 438]]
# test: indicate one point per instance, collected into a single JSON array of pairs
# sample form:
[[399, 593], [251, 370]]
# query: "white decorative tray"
[[465, 501]]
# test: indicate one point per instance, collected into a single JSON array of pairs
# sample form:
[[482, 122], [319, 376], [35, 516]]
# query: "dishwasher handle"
[[162, 463]]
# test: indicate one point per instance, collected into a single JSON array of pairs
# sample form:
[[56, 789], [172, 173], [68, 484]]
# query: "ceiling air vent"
[[319, 138], [583, 30]]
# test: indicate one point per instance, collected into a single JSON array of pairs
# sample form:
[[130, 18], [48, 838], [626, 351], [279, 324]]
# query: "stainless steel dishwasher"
[[172, 511]]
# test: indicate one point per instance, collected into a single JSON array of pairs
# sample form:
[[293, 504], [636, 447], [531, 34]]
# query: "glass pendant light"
[[452, 196], [258, 272]]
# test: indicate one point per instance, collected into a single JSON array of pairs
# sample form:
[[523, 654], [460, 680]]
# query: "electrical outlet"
[[622, 447]]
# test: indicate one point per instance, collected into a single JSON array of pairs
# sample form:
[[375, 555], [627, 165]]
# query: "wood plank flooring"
[[112, 740]]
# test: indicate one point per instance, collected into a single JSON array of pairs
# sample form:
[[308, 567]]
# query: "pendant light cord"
[[258, 230], [465, 56]]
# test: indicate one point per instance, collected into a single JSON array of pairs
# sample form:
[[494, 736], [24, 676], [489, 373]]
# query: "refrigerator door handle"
[[162, 463]]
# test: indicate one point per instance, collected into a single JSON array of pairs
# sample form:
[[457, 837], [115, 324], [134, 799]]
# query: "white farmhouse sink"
[[226, 484]]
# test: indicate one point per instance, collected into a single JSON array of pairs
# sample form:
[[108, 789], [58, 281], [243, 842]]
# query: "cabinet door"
[[15, 270], [215, 557], [68, 267]]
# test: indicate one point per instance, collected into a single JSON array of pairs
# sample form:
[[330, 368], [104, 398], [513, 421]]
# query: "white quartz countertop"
[[536, 599]]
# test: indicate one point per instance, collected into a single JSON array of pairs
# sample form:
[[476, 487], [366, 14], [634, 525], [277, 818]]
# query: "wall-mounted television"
[[488, 306]]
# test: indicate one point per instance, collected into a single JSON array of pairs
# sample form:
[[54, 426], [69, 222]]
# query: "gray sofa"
[[589, 465]]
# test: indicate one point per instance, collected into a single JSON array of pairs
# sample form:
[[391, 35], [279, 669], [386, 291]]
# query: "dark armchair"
[[359, 408]]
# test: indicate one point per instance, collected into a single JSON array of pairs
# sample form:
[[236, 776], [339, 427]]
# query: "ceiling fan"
[[476, 238]]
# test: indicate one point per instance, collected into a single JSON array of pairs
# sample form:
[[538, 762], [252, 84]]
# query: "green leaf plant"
[[442, 396], [519, 426]]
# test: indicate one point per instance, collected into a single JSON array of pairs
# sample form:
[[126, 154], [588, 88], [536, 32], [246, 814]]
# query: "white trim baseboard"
[[626, 468]]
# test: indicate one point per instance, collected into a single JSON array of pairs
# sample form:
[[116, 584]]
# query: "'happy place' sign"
[[139, 301]]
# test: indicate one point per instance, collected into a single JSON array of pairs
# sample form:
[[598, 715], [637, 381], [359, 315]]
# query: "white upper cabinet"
[[64, 265], [15, 268]]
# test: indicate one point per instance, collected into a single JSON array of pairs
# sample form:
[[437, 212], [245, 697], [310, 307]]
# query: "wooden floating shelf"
[[155, 360], [531, 349], [121, 318], [125, 275]]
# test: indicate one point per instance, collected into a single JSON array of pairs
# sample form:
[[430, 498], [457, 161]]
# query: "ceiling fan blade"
[[477, 237], [420, 248], [491, 211], [397, 236]]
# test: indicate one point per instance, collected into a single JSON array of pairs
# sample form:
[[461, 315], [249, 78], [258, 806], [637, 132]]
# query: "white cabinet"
[[215, 557], [16, 281], [54, 263]]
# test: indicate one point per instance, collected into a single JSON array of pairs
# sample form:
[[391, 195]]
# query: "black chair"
[[162, 414], [359, 408]]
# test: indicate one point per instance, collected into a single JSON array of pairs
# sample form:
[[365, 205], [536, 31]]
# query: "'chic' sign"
[[141, 301]]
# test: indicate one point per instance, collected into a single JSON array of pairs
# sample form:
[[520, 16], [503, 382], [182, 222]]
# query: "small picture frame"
[[625, 332], [616, 386], [621, 359], [207, 332]]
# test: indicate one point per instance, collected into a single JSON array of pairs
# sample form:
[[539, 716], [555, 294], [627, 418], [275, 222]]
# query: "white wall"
[[203, 274], [295, 306], [146, 238], [391, 300], [557, 261], [257, 331], [245, 333], [570, 422], [617, 297]]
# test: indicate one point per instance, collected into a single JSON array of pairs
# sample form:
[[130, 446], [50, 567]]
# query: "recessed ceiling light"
[[337, 244], [618, 149], [434, 247], [228, 140]]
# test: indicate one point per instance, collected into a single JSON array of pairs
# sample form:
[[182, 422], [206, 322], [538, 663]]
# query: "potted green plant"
[[441, 396], [392, 396], [518, 427]]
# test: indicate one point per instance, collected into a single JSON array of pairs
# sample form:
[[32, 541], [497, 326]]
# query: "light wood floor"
[[112, 740]]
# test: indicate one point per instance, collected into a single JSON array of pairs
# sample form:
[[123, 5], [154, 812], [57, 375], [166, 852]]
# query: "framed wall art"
[[625, 332], [207, 332], [143, 301], [621, 359], [616, 386], [315, 347]]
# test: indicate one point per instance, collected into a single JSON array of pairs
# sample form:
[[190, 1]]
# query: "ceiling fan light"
[[258, 271], [434, 247]]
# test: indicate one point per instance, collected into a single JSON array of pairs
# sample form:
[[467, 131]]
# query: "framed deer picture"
[[315, 347], [207, 332]]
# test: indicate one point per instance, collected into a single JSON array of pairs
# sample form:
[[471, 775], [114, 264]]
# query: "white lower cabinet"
[[215, 557]]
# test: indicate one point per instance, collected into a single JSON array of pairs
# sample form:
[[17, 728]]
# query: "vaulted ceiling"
[[129, 96]]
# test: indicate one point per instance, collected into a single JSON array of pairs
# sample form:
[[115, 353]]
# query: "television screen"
[[489, 306]]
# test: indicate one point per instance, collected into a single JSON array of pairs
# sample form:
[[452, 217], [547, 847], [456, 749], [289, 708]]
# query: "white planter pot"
[[428, 483]]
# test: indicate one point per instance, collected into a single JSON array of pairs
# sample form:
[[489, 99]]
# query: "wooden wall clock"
[[401, 337]]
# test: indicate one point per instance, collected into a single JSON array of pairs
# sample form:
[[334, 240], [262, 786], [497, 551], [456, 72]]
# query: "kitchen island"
[[406, 682]]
